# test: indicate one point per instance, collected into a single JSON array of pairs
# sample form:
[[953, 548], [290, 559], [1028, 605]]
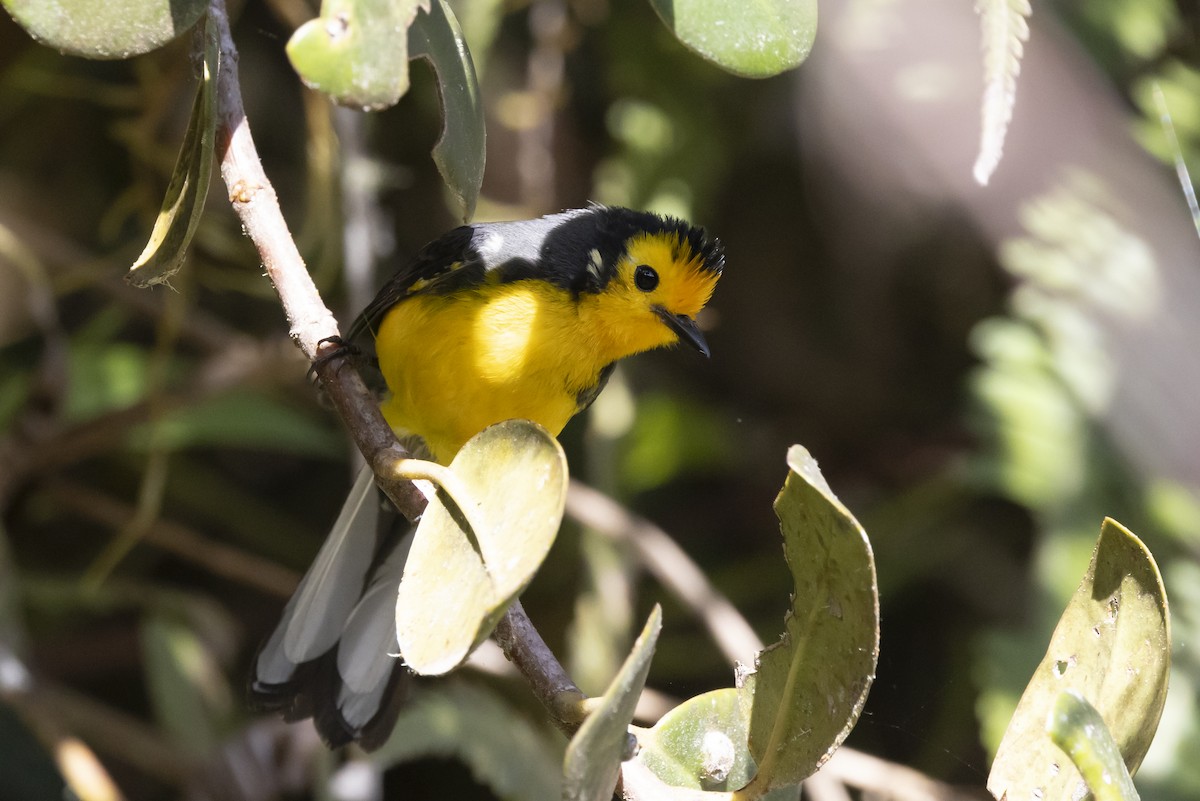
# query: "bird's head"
[[663, 277]]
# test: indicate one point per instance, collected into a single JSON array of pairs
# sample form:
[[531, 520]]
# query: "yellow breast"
[[457, 363]]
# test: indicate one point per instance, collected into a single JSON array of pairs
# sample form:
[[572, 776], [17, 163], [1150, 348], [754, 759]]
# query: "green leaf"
[[357, 51], [501, 748], [241, 419], [112, 29], [188, 189], [459, 152], [1005, 29], [1112, 646], [602, 743], [455, 589], [752, 38], [191, 698], [104, 376], [702, 743], [810, 686], [1077, 728]]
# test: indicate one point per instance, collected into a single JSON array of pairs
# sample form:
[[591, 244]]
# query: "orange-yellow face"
[[652, 300]]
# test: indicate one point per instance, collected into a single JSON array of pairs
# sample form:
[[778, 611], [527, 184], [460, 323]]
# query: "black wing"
[[448, 253]]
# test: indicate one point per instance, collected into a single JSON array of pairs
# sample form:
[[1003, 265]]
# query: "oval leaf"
[[356, 51], [1112, 646], [597, 750], [1077, 728], [188, 188], [702, 743], [192, 700], [113, 29], [459, 152], [458, 583], [753, 38], [810, 687]]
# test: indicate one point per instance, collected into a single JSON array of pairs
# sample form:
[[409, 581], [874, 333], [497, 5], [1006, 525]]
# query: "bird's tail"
[[333, 656]]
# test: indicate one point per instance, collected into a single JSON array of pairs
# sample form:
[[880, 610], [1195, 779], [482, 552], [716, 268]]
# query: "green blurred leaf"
[[702, 743], [1113, 647], [459, 152], [602, 743], [671, 436], [103, 377], [191, 698], [753, 38], [242, 419], [356, 51], [188, 188], [501, 748], [454, 590], [810, 686], [1077, 728], [112, 29]]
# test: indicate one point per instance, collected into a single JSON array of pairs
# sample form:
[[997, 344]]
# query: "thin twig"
[[526, 649], [257, 206], [889, 780], [671, 565], [218, 558]]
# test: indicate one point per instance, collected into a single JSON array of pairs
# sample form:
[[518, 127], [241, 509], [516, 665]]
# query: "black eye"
[[645, 277]]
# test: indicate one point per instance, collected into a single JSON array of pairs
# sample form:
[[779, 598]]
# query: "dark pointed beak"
[[685, 328]]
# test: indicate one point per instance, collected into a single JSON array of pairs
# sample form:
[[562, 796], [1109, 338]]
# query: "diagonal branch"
[[311, 324]]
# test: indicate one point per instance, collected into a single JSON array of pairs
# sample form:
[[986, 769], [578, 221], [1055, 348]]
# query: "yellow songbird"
[[490, 322]]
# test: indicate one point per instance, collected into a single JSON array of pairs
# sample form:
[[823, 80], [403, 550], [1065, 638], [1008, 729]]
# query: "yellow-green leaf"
[[702, 743], [603, 742], [752, 38], [1077, 728], [1112, 646], [810, 686], [356, 51], [459, 152], [458, 583], [191, 697], [108, 30], [188, 188]]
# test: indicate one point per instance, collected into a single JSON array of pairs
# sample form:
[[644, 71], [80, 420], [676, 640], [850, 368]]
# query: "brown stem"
[[526, 649], [312, 325]]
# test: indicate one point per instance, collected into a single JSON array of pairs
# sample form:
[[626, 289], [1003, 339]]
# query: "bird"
[[491, 321]]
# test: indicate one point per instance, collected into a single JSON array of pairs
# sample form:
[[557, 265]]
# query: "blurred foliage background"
[[983, 373]]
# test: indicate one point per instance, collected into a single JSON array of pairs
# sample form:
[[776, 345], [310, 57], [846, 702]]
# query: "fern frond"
[[1005, 30]]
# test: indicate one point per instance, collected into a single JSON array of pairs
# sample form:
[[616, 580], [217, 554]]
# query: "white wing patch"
[[595, 263], [490, 247]]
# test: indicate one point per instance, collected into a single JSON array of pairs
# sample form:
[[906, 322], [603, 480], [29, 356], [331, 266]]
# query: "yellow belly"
[[456, 364]]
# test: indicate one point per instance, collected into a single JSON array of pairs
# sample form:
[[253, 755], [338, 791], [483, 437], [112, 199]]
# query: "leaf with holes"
[[809, 687], [1112, 646], [783, 721]]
